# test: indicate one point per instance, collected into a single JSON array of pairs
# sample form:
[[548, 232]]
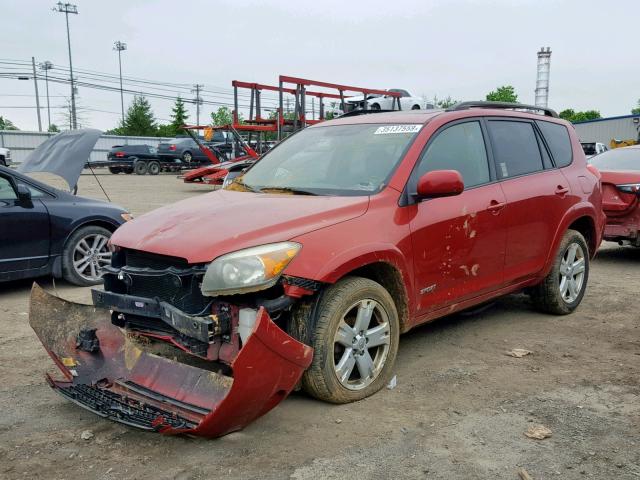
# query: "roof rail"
[[360, 111], [503, 105]]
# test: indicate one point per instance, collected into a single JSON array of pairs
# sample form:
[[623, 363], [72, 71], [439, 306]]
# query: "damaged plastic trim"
[[127, 384]]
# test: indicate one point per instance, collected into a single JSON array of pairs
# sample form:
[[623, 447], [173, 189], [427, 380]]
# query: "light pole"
[[120, 47], [68, 8], [46, 66], [35, 84]]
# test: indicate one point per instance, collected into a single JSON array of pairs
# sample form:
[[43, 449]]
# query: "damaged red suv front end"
[[127, 377]]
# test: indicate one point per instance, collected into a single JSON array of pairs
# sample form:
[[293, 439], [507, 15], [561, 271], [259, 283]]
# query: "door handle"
[[560, 190], [495, 207]]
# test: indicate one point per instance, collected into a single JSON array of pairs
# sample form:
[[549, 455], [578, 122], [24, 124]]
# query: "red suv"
[[307, 268]]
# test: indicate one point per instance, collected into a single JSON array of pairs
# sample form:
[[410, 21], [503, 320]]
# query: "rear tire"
[[140, 168], [356, 330], [153, 168], [563, 288], [187, 157], [84, 253]]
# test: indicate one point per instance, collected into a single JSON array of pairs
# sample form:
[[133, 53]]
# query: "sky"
[[457, 48]]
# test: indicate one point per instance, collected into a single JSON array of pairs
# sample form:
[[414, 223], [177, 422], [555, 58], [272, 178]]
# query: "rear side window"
[[559, 143], [460, 147], [515, 148]]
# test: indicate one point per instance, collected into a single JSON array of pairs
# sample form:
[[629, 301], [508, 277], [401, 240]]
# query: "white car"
[[386, 102], [5, 157], [593, 148]]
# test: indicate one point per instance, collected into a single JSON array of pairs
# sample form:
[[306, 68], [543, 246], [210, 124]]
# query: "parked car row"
[[173, 155]]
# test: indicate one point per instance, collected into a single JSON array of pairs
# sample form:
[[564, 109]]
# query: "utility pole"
[[198, 101], [120, 47], [46, 66], [35, 83], [68, 8]]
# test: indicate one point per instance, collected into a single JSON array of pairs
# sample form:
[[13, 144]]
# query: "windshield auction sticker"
[[388, 129]]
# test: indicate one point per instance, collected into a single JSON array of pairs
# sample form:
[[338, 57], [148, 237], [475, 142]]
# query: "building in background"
[[603, 130]]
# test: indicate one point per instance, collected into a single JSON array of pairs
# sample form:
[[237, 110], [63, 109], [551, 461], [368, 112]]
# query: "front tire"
[[114, 170], [563, 288], [375, 106], [415, 107], [84, 254], [355, 341], [187, 157]]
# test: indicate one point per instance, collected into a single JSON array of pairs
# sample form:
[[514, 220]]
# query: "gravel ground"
[[460, 408]]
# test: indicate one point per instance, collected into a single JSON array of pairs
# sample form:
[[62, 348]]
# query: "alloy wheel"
[[361, 344], [90, 254], [572, 270]]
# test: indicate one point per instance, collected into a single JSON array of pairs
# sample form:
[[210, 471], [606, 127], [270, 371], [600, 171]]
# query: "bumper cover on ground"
[[123, 382]]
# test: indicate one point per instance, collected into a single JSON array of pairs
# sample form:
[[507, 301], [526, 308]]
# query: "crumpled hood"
[[202, 228]]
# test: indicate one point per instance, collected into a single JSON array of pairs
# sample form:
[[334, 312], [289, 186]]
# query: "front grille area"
[[138, 259], [123, 409], [168, 279]]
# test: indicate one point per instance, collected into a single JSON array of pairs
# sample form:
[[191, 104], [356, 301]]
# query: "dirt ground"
[[459, 410]]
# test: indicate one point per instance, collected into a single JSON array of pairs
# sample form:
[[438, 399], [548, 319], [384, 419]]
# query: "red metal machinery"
[[256, 123], [300, 93]]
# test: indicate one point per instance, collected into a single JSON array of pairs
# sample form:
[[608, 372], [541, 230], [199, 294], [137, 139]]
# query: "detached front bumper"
[[116, 378]]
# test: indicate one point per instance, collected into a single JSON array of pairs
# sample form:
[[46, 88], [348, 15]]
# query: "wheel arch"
[[89, 222], [390, 277], [582, 218]]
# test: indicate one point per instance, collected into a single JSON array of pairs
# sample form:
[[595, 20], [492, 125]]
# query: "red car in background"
[[620, 170]]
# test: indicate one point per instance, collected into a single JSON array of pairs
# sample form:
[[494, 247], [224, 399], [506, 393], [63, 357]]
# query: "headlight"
[[126, 216], [248, 270]]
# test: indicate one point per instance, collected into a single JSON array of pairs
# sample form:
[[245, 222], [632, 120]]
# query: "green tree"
[[139, 119], [505, 93], [636, 110], [222, 116], [444, 103], [53, 128], [571, 115], [179, 116], [165, 130], [6, 124]]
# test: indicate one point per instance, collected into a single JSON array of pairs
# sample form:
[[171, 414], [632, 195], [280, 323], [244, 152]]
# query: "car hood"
[[64, 155], [202, 228]]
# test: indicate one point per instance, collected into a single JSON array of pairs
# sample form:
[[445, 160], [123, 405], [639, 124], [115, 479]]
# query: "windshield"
[[332, 160], [617, 160]]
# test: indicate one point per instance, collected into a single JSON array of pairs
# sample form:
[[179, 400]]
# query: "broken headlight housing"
[[248, 270]]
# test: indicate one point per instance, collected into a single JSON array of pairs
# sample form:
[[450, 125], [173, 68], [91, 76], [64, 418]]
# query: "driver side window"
[[6, 190], [460, 147]]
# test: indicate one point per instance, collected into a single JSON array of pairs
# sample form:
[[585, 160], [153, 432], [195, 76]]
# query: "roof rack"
[[504, 105]]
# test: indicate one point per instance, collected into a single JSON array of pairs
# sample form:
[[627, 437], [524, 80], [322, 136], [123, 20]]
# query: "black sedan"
[[46, 231]]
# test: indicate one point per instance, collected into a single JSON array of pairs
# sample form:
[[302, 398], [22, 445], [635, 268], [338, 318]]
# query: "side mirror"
[[440, 183], [24, 196]]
